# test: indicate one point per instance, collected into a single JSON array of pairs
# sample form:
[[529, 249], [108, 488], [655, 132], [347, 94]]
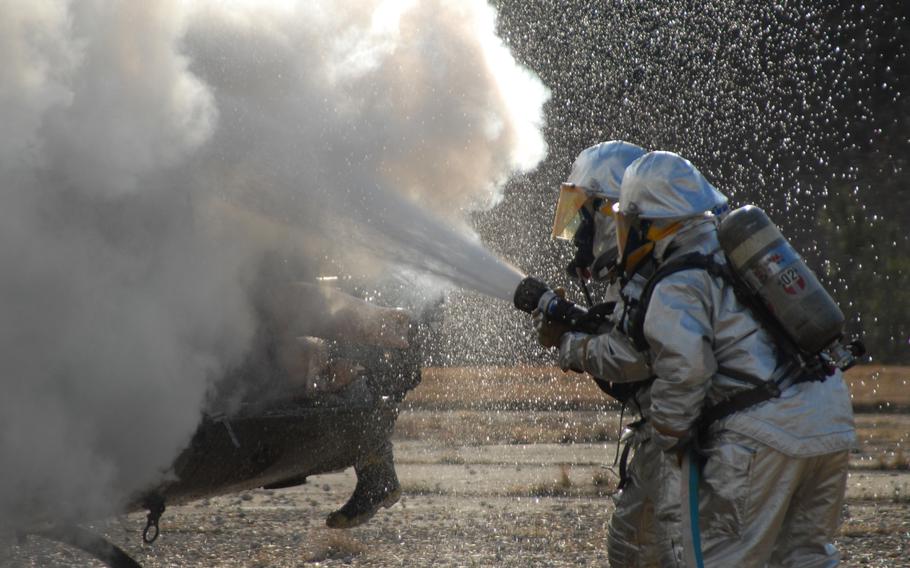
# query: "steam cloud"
[[154, 152]]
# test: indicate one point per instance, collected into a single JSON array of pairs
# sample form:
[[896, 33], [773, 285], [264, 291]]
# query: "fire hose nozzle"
[[532, 294], [528, 294]]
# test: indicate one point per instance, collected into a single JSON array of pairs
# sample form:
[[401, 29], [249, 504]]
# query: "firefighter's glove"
[[548, 332], [572, 348], [579, 268]]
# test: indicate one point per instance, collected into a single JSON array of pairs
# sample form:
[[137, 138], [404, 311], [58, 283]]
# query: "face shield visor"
[[604, 243], [569, 217], [624, 226], [604, 231], [635, 237], [587, 221]]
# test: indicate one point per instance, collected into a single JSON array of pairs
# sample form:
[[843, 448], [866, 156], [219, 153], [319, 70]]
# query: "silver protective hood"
[[599, 169], [664, 185]]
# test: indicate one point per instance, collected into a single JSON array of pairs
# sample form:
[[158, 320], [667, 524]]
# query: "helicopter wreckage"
[[319, 393]]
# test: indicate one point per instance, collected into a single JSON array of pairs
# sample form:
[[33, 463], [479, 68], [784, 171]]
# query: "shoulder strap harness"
[[685, 262], [761, 390]]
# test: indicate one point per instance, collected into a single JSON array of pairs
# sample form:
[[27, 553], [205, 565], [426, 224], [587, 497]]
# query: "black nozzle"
[[558, 309], [857, 348], [528, 294]]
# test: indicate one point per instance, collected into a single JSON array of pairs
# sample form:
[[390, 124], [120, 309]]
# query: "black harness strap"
[[623, 392], [694, 260], [623, 466], [761, 390], [742, 377], [737, 402]]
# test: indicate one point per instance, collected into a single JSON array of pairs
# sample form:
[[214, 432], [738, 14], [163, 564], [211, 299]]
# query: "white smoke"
[[369, 110], [138, 137]]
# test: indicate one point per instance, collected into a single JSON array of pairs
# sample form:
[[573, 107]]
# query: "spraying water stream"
[[151, 153], [376, 129]]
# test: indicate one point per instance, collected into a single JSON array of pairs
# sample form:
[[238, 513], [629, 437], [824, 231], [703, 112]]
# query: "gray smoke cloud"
[[155, 152]]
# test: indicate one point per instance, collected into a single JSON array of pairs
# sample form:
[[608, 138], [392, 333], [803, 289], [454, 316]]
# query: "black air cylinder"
[[776, 273]]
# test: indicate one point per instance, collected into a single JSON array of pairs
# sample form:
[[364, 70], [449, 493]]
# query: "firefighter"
[[764, 438], [585, 216]]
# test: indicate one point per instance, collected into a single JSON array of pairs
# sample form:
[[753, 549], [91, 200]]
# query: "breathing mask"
[[635, 237], [583, 217]]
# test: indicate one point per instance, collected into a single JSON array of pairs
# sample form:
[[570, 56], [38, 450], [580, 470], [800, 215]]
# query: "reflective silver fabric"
[[644, 527], [600, 168], [610, 356], [604, 233], [695, 325], [759, 507], [664, 185], [772, 488]]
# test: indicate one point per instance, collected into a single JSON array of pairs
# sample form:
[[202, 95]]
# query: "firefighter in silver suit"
[[771, 470], [634, 539]]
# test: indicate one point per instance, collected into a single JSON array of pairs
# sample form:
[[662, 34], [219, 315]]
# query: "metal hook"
[[148, 527], [155, 506]]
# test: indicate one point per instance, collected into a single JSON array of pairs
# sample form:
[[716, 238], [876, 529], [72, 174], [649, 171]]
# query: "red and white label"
[[792, 281]]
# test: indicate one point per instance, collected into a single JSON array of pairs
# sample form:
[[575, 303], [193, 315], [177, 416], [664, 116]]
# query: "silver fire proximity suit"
[[772, 486], [633, 533], [644, 528]]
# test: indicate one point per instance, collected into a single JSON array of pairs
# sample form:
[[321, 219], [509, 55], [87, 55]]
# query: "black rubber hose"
[[90, 542]]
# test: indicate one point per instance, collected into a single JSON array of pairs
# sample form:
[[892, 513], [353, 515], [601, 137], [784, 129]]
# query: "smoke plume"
[[155, 152]]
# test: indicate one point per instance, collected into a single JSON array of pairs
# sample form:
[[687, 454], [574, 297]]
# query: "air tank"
[[775, 272]]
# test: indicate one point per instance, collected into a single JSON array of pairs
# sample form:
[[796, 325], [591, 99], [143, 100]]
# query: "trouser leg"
[[631, 535], [815, 513], [668, 511], [637, 536], [628, 538], [746, 489]]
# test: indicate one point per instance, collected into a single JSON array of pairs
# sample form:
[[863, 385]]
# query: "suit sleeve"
[[679, 330]]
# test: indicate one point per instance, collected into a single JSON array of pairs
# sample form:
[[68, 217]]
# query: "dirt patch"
[[501, 484], [506, 388], [874, 388], [537, 505], [879, 388]]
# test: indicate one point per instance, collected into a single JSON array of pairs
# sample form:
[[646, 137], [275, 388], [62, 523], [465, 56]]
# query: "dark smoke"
[[155, 153]]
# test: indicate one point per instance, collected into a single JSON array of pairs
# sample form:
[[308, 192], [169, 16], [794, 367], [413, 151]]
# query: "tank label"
[[770, 265], [792, 281]]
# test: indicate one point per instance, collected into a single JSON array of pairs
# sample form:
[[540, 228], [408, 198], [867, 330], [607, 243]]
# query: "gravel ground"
[[477, 513], [502, 505], [284, 528]]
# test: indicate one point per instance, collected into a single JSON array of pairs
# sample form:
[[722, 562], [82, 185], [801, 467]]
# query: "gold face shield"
[[568, 217], [623, 228], [568, 211], [635, 238]]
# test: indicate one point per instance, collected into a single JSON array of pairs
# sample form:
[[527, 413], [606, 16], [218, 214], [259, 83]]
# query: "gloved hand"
[[548, 332], [572, 351]]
